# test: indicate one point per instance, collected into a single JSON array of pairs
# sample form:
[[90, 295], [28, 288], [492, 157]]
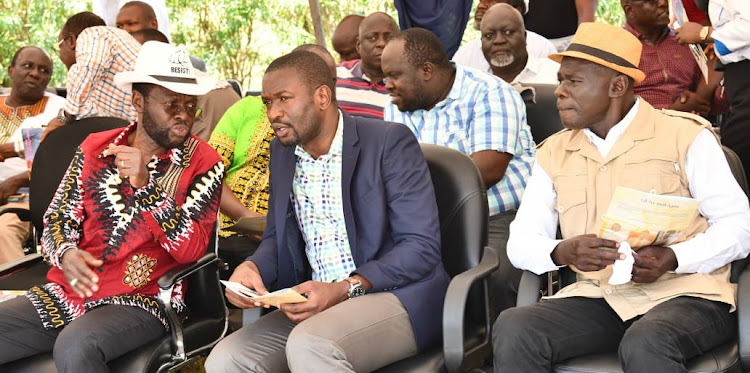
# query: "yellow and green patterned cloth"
[[242, 138]]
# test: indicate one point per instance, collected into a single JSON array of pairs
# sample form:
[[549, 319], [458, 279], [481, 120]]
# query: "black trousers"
[[85, 345], [735, 131], [504, 281], [534, 338], [234, 250]]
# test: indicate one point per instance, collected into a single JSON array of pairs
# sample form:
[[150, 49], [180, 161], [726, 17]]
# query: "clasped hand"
[[130, 164], [590, 253]]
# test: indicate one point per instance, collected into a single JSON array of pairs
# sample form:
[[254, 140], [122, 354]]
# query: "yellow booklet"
[[275, 298], [645, 219], [249, 225]]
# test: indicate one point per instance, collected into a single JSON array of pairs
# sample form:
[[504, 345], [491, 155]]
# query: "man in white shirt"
[[504, 47], [27, 106], [678, 304], [470, 54]]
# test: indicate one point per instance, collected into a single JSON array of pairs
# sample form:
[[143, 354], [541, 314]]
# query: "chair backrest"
[[541, 112], [735, 164], [236, 86], [53, 158], [462, 207]]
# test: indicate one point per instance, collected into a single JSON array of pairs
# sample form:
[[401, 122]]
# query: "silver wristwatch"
[[62, 118], [356, 288]]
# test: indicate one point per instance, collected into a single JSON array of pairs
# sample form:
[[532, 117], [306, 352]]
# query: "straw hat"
[[606, 45], [166, 65]]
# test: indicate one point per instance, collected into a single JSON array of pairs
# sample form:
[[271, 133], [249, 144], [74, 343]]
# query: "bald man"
[[137, 15], [471, 55], [27, 106], [345, 36], [504, 47], [322, 52], [359, 87]]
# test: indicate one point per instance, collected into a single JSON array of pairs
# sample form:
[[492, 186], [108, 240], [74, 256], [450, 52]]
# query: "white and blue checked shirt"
[[317, 200], [481, 112]]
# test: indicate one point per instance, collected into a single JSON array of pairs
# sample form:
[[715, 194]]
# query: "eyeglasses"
[[174, 108], [59, 44]]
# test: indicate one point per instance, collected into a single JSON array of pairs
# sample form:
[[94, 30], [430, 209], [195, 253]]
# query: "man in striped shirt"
[[473, 112], [93, 54], [359, 85]]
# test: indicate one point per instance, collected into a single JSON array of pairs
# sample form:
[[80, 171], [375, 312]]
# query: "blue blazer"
[[391, 220]]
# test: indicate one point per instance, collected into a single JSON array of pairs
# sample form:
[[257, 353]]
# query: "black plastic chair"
[[541, 111], [50, 162], [729, 357], [187, 340], [236, 86], [462, 205]]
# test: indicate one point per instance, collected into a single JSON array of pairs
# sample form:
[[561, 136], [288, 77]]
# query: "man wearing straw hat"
[[134, 204], [678, 302]]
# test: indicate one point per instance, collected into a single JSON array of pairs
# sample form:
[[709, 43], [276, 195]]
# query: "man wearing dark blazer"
[[352, 224]]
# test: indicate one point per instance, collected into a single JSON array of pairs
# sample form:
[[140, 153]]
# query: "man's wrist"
[[64, 117]]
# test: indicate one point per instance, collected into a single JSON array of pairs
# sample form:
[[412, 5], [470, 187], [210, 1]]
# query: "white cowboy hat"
[[166, 65]]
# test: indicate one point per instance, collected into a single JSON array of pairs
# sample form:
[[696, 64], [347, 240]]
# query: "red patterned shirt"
[[670, 70], [139, 234]]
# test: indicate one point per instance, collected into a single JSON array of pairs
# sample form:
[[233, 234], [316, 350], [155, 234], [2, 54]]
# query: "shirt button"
[[652, 191], [603, 168], [608, 291], [560, 209]]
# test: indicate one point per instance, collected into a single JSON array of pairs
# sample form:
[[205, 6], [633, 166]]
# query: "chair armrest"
[[166, 283], [20, 263], [455, 306], [529, 288], [743, 318], [167, 280], [23, 214]]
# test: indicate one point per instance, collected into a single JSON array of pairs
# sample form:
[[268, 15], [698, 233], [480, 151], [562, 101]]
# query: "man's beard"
[[502, 59], [161, 135]]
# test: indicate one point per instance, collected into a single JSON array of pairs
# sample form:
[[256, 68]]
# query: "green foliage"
[[236, 39], [34, 22], [610, 11]]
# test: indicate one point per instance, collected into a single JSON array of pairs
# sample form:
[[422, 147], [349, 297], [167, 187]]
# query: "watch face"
[[356, 291]]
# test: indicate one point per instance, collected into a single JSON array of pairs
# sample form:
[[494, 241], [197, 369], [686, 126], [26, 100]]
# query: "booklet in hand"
[[249, 225], [275, 298]]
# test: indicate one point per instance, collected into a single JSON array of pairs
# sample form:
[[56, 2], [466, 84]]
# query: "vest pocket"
[[653, 175], [571, 204]]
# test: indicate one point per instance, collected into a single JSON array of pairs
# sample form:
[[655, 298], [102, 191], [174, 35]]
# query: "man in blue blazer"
[[352, 224]]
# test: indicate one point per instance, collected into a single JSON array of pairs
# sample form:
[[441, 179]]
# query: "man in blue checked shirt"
[[474, 113]]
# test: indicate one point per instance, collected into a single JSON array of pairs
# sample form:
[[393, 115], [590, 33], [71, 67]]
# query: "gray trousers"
[[85, 345], [534, 338], [357, 335]]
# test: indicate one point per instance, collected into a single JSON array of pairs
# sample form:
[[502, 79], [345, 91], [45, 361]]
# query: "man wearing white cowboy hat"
[[678, 302], [133, 204]]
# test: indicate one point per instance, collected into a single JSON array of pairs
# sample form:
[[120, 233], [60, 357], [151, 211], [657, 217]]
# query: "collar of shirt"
[[605, 145], [179, 156], [357, 72], [337, 145], [666, 31]]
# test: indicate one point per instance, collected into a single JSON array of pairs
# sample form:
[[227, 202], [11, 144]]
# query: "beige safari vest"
[[649, 156]]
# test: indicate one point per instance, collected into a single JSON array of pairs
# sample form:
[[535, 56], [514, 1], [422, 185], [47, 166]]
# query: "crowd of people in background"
[[329, 154]]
